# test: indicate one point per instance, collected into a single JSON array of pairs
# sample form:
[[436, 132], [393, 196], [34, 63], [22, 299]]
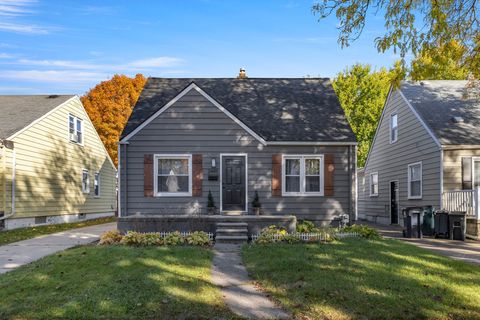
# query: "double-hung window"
[[302, 175], [75, 129], [173, 175], [85, 181], [393, 128], [476, 172], [96, 185], [415, 180], [373, 184]]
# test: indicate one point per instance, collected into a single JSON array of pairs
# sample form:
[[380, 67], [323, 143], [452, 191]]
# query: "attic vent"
[[457, 119], [53, 96]]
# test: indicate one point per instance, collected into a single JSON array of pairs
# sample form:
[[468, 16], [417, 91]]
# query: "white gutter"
[[14, 164]]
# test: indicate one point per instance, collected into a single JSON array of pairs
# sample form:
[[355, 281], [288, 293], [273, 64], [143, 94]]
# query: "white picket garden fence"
[[185, 234], [321, 236]]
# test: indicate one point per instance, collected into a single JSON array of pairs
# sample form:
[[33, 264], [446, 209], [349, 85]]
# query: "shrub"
[[363, 230], [267, 235], [291, 238], [152, 239], [198, 238], [174, 239], [110, 237], [132, 238], [256, 201], [305, 226], [210, 201]]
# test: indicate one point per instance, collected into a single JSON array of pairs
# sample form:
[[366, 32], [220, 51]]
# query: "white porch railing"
[[462, 200]]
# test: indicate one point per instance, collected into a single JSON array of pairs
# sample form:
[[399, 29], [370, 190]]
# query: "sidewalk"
[[19, 253], [238, 290], [468, 251]]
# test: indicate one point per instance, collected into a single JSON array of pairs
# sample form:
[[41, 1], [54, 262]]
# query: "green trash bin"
[[428, 226]]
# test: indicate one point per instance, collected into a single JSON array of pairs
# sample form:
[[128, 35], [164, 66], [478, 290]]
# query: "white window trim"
[[75, 118], [410, 197], [370, 184], [87, 190], [95, 175], [155, 175], [391, 128], [473, 170], [302, 192]]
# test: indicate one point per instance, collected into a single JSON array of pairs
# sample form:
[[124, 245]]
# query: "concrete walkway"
[[19, 253], [468, 250], [238, 290]]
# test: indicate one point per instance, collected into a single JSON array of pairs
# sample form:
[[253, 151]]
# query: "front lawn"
[[361, 279], [114, 282], [9, 236]]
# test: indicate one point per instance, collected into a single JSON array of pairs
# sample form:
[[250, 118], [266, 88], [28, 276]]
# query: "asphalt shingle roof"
[[448, 107], [277, 109], [18, 111]]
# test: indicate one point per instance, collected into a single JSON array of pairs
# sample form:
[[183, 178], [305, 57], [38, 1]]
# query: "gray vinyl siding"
[[391, 161], [193, 125]]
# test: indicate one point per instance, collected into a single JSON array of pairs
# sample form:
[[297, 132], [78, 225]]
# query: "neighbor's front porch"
[[467, 201]]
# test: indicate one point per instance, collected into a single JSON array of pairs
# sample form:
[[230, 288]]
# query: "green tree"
[[362, 93], [109, 106], [410, 26], [443, 62]]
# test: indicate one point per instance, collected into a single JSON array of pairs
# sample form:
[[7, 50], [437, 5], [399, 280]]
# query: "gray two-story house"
[[286, 139], [426, 151]]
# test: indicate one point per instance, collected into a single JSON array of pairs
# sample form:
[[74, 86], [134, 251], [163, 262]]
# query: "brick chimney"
[[242, 74]]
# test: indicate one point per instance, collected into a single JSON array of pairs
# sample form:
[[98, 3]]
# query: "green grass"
[[15, 235], [361, 279], [114, 282]]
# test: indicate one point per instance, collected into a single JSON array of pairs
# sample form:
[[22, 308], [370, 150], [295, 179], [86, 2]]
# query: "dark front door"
[[233, 183], [394, 202]]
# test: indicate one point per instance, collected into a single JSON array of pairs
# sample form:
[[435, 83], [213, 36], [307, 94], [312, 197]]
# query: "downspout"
[[349, 184], [441, 177], [355, 214], [14, 164]]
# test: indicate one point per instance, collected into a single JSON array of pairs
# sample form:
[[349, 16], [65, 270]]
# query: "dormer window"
[[75, 129], [393, 128]]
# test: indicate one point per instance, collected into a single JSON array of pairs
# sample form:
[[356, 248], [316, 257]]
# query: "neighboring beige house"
[[53, 166], [426, 151]]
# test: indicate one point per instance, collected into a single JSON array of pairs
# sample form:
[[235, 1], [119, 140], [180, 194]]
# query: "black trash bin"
[[441, 224], [457, 225], [428, 225], [412, 217]]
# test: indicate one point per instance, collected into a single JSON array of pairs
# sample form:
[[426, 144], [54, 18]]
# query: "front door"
[[394, 202], [233, 183]]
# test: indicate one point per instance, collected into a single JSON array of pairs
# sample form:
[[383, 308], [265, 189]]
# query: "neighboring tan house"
[[286, 138], [426, 151], [53, 166]]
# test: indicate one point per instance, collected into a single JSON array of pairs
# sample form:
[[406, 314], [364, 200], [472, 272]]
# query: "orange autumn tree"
[[109, 106]]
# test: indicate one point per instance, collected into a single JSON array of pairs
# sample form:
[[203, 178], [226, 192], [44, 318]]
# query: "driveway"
[[19, 253], [468, 251]]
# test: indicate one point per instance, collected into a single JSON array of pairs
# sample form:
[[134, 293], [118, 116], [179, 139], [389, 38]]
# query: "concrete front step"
[[232, 225], [231, 232], [231, 239]]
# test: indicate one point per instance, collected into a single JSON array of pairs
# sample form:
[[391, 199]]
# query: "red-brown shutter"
[[329, 170], [197, 171], [148, 175], [276, 175]]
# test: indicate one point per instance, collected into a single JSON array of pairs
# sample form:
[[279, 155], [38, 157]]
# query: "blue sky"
[[69, 46]]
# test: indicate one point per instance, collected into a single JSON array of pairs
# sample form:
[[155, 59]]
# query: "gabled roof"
[[18, 111], [448, 108], [277, 109]]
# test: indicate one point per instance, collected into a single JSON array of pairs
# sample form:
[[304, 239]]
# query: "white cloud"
[[136, 65], [159, 62], [55, 76], [23, 28], [14, 8], [5, 55]]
